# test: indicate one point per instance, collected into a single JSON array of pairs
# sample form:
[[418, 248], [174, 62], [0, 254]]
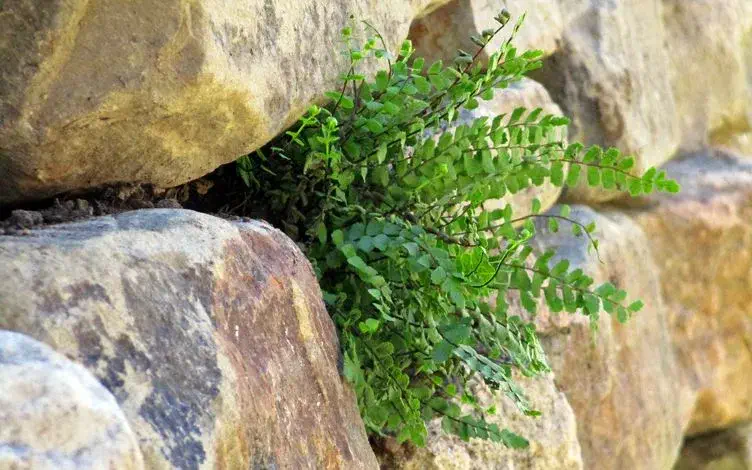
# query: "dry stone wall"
[[188, 341]]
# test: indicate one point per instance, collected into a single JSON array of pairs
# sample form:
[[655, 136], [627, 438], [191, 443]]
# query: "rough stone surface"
[[727, 450], [162, 92], [702, 242], [211, 335], [624, 383], [703, 36], [552, 436], [438, 36], [56, 416], [609, 76]]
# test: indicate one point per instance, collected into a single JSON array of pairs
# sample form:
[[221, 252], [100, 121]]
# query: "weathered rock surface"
[[609, 76], [727, 450], [211, 335], [552, 436], [162, 92], [702, 242], [710, 47], [56, 416], [437, 36], [624, 382]]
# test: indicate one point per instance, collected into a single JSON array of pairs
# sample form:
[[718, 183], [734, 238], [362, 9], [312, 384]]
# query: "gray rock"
[[211, 335], [24, 219], [56, 416]]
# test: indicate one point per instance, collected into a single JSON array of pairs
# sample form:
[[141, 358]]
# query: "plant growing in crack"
[[390, 207]]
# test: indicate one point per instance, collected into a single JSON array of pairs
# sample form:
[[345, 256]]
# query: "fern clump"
[[392, 213]]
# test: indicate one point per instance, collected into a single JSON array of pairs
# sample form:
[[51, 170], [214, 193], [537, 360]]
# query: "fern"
[[390, 207]]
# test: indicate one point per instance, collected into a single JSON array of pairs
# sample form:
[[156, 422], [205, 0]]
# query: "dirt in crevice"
[[113, 199], [221, 193]]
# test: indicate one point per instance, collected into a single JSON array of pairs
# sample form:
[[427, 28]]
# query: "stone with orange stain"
[[702, 242], [212, 336]]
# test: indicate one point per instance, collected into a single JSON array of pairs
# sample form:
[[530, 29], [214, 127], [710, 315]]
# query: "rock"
[[24, 219], [169, 204], [702, 243], [624, 383], [438, 36], [56, 416], [704, 35], [727, 450], [211, 335], [162, 92], [740, 143], [609, 76], [552, 437]]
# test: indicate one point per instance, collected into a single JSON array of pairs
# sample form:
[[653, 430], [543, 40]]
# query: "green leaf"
[[321, 232], [636, 306], [513, 440], [593, 176], [442, 351], [557, 173], [374, 126], [438, 275], [573, 175]]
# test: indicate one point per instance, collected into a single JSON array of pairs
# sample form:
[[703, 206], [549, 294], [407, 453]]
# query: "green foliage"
[[388, 200]]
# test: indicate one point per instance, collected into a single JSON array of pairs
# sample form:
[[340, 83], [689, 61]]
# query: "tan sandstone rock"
[[606, 68], [702, 242], [212, 336], [105, 91], [624, 382], [727, 450], [608, 75], [55, 416], [710, 47], [438, 36], [552, 437]]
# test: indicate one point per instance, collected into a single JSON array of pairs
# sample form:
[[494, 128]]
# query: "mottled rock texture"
[[56, 416], [624, 382], [702, 243], [552, 437], [609, 75], [211, 335], [437, 36], [710, 47], [104, 91]]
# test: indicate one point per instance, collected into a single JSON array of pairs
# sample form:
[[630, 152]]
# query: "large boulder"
[[702, 243], [624, 382], [609, 76], [104, 91], [212, 336], [552, 437], [705, 36], [437, 36], [606, 68], [56, 416]]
